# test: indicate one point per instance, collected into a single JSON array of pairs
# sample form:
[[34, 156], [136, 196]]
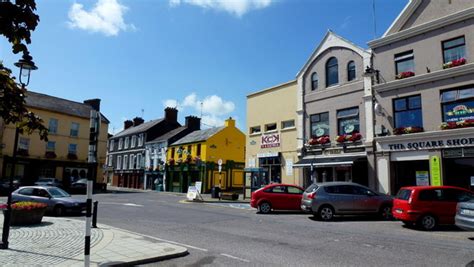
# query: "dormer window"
[[332, 72]]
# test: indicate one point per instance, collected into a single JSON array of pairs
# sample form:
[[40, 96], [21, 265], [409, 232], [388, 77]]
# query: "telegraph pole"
[[92, 160]]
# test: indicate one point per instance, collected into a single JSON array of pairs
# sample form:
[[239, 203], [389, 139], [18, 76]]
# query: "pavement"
[[60, 242]]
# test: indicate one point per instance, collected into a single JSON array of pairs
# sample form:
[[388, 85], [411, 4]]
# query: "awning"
[[327, 161]]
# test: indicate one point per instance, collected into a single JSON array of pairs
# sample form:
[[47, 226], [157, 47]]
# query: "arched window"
[[351, 71], [314, 81], [332, 73]]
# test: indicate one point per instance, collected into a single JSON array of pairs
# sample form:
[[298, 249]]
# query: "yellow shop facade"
[[196, 157]]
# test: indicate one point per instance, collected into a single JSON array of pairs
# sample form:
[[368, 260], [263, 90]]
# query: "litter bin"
[[215, 192]]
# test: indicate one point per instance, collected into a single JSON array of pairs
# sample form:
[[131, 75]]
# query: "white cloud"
[[214, 109], [105, 17], [235, 7]]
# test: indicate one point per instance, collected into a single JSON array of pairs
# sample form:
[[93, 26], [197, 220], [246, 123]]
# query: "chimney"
[[137, 121], [229, 122], [127, 124], [171, 114], [94, 103], [193, 123]]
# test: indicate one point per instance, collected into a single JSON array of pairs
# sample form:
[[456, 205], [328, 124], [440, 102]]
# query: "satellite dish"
[[378, 109]]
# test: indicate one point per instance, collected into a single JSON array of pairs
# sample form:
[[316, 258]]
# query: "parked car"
[[277, 197], [465, 215], [79, 186], [48, 182], [5, 185], [344, 198], [428, 206], [59, 202]]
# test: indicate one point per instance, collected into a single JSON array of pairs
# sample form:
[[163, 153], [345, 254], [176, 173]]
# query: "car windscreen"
[[312, 188], [403, 194], [57, 193], [45, 180]]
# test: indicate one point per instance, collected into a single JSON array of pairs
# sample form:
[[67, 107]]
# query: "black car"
[[79, 186]]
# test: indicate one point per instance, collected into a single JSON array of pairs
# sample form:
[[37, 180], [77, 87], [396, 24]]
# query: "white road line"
[[122, 204], [234, 257], [132, 205]]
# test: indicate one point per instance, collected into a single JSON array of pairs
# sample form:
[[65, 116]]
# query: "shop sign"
[[267, 155], [192, 193], [429, 144], [289, 167], [422, 178], [435, 170], [270, 140]]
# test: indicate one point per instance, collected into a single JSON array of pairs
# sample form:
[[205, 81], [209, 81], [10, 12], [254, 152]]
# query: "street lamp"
[[26, 65]]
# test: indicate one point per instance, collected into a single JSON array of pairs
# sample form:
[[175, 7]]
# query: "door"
[[340, 197], [278, 197], [294, 197], [365, 200], [42, 196]]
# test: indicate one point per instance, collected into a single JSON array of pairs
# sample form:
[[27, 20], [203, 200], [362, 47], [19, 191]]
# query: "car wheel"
[[326, 213], [428, 222], [264, 207], [386, 212], [59, 210]]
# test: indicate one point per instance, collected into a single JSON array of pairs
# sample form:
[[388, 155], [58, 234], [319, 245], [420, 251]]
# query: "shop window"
[[332, 72], [458, 105], [351, 71], [255, 130], [270, 127], [454, 49], [74, 132], [120, 145], [53, 126], [407, 112], [50, 146], [119, 162], [72, 149], [288, 124], [314, 81], [319, 124], [404, 62], [348, 121]]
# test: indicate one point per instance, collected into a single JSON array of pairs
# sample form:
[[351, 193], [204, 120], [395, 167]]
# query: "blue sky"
[[145, 54]]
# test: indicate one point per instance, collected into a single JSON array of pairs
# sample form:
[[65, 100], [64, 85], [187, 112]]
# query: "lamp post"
[[26, 65]]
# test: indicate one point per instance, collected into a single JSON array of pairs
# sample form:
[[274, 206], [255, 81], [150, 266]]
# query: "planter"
[[454, 63], [404, 75], [26, 217]]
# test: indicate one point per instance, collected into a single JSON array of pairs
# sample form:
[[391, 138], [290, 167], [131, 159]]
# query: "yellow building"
[[65, 154], [271, 145], [196, 157]]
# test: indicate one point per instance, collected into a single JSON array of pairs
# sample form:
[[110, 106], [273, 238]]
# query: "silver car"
[[59, 202], [465, 215], [343, 198]]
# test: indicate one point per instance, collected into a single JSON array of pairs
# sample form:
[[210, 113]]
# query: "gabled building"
[[126, 150], [424, 96], [196, 157], [64, 155]]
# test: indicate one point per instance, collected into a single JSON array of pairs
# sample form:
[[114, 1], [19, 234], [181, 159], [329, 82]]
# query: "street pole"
[[312, 174], [92, 160]]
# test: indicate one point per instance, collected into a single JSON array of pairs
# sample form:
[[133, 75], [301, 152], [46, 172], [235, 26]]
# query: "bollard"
[[94, 215]]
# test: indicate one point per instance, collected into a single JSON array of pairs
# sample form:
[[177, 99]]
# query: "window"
[[120, 145], [119, 162], [288, 124], [53, 126], [404, 62], [348, 121], [454, 49], [189, 151], [132, 164], [111, 161], [127, 142], [332, 73], [72, 149], [458, 105], [50, 146], [139, 161], [26, 191], [111, 145], [134, 141], [140, 140], [351, 71], [314, 81], [125, 162], [255, 130], [74, 129], [277, 189], [319, 124], [407, 112], [270, 127], [294, 190], [198, 150], [24, 144]]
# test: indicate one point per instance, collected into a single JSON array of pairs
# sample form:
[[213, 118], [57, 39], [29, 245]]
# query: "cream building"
[[271, 134]]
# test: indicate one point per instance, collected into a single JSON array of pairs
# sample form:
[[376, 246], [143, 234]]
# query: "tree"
[[17, 21]]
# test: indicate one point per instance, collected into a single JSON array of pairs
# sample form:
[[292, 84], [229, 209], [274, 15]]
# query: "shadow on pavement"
[[440, 228], [284, 212], [42, 224], [352, 218]]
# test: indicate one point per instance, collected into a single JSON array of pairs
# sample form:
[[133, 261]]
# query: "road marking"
[[234, 257], [122, 204], [132, 205]]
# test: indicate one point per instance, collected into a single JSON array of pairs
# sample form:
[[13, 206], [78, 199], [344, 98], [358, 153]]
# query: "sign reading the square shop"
[[434, 143], [270, 140]]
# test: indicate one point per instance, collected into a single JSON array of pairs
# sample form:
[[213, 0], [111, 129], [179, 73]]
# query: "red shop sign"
[[270, 140]]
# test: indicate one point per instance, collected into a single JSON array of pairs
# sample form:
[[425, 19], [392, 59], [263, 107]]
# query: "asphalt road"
[[224, 235]]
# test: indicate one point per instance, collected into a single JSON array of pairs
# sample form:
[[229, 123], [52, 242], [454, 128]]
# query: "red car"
[[277, 197], [428, 206]]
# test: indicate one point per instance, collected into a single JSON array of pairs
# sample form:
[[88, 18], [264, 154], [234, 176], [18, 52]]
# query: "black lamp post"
[[26, 65]]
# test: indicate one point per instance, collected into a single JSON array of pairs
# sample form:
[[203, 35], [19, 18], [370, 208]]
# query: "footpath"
[[60, 242]]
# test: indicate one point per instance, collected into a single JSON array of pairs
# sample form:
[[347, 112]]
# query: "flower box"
[[404, 75], [321, 140], [454, 63], [457, 124], [27, 213], [346, 138], [50, 155], [407, 130]]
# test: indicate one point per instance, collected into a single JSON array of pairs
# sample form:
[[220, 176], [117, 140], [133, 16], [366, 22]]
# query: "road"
[[221, 235]]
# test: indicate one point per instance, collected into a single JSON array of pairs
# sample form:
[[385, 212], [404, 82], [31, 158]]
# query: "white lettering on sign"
[[429, 144], [270, 140]]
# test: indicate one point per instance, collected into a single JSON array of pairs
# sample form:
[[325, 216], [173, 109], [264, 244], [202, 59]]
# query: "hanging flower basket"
[[347, 138], [407, 130], [457, 124], [26, 213], [454, 63], [404, 75]]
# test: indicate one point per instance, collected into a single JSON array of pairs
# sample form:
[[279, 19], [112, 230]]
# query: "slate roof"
[[168, 135], [198, 136], [140, 128], [60, 105]]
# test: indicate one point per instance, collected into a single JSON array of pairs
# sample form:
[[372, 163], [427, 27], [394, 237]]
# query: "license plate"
[[467, 212], [399, 211]]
